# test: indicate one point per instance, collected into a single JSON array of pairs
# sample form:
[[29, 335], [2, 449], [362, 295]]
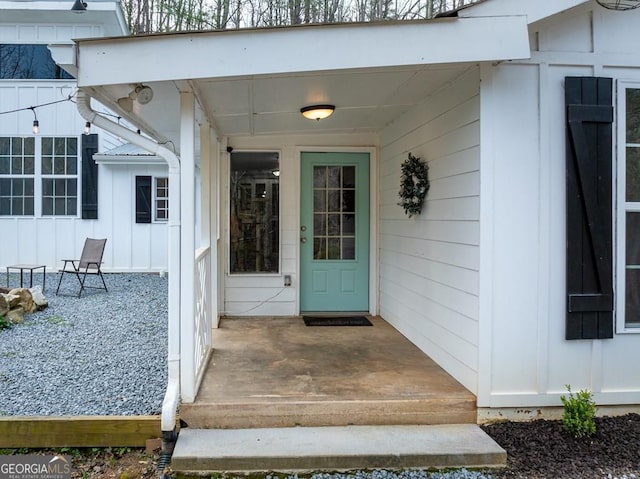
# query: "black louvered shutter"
[[143, 199], [89, 146], [589, 208]]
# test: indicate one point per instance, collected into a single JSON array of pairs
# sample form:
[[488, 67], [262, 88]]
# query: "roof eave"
[[533, 10], [268, 52]]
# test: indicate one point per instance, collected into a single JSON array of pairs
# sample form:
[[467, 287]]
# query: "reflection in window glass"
[[632, 303], [631, 217], [17, 168], [334, 207], [254, 212], [633, 116], [29, 62], [16, 197], [59, 165]]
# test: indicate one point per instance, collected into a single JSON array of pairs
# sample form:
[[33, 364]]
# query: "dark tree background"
[[145, 16]]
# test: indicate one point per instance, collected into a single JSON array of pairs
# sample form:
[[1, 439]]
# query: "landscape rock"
[[39, 298], [25, 300], [20, 301], [4, 305], [16, 315]]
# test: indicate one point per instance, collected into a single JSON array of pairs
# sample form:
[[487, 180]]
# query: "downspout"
[[172, 394]]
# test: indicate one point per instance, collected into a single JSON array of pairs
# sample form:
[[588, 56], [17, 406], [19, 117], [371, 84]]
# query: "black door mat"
[[336, 321]]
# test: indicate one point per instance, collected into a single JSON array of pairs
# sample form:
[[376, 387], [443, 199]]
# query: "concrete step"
[[290, 413], [297, 449]]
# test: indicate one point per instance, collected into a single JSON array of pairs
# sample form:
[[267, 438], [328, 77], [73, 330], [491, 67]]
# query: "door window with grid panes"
[[334, 212]]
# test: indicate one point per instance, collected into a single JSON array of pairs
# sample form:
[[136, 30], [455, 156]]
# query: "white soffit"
[[534, 10], [234, 53]]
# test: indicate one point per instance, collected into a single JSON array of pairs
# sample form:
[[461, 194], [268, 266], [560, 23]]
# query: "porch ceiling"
[[255, 82], [365, 100]]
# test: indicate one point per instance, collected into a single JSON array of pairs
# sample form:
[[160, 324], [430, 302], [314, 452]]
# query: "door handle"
[[303, 240]]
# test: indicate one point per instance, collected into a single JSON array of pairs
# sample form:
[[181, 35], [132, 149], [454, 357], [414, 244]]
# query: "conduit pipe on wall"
[[172, 394]]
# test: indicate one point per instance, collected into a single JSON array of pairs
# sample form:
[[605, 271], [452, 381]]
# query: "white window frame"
[[227, 163], [157, 198], [622, 206], [33, 176], [40, 176]]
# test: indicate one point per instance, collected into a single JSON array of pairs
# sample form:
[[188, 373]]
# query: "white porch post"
[[205, 189], [187, 247], [208, 162], [215, 228]]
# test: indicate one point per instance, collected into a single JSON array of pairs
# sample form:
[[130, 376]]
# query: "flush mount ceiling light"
[[317, 112], [619, 4], [79, 7]]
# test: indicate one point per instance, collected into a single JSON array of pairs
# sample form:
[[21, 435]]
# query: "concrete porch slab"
[[277, 372], [335, 448]]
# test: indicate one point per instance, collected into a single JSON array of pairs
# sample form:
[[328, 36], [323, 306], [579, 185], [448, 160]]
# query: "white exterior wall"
[[265, 294], [524, 359], [47, 240], [130, 246], [429, 281], [46, 33]]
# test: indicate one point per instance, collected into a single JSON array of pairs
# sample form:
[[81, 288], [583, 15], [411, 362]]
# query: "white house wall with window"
[[482, 280], [52, 193], [527, 228]]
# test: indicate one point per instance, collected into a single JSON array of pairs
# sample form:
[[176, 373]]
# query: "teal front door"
[[334, 232]]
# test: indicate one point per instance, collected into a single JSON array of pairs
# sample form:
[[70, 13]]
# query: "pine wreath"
[[414, 185]]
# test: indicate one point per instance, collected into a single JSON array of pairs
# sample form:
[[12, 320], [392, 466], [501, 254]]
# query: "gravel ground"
[[105, 354], [101, 354]]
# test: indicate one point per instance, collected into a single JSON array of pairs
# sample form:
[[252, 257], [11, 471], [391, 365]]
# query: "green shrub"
[[4, 323], [579, 413]]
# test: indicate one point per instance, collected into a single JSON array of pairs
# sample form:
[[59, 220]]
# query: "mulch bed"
[[543, 450]]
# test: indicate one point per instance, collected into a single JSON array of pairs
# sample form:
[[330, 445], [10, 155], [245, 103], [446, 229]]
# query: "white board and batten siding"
[[265, 294], [524, 358], [44, 33], [47, 240], [429, 264]]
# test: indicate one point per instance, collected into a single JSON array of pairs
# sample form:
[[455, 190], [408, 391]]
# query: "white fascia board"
[[236, 53], [105, 159], [534, 10]]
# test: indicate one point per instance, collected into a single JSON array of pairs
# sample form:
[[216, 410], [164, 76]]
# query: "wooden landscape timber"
[[79, 431]]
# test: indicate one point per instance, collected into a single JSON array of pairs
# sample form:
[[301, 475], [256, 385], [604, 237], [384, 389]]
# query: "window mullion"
[[37, 178]]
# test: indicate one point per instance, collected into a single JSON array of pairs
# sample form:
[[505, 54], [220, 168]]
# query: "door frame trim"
[[373, 214]]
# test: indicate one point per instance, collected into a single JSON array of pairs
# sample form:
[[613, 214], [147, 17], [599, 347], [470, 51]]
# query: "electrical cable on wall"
[[36, 122], [262, 303]]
